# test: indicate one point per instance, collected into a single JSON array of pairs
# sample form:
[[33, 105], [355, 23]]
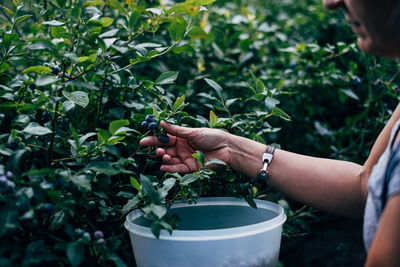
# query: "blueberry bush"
[[81, 82]]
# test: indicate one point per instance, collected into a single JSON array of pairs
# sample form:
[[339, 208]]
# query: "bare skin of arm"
[[384, 249], [326, 184]]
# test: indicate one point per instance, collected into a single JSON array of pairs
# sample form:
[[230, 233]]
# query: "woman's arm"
[[331, 185], [325, 184], [385, 247]]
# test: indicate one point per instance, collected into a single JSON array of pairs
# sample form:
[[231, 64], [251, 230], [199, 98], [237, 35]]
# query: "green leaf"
[[197, 32], [105, 21], [132, 203], [22, 18], [213, 119], [158, 210], [177, 29], [115, 125], [216, 87], [78, 97], [8, 38], [188, 178], [81, 181], [16, 2], [270, 103], [104, 167], [67, 106], [103, 135], [75, 252], [37, 69], [168, 184], [178, 103], [280, 113], [135, 183], [199, 156], [167, 77], [82, 84], [35, 129], [134, 17], [148, 189], [54, 23], [260, 86], [116, 5], [182, 48], [215, 161], [46, 80]]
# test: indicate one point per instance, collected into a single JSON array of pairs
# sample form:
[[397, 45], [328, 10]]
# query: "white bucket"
[[213, 232]]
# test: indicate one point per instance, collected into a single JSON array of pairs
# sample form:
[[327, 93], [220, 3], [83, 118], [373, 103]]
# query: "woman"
[[339, 187]]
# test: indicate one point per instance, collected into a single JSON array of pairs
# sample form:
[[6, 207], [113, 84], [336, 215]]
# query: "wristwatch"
[[266, 159]]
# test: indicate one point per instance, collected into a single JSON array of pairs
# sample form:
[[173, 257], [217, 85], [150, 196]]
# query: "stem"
[[100, 104]]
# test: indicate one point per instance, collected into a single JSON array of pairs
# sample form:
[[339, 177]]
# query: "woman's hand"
[[184, 141]]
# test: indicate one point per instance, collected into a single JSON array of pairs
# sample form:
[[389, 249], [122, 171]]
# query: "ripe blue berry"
[[164, 139], [144, 124], [48, 208], [150, 118], [10, 184], [98, 234], [9, 174], [79, 232], [356, 81], [86, 237], [3, 181], [152, 126], [55, 70], [32, 86], [13, 145]]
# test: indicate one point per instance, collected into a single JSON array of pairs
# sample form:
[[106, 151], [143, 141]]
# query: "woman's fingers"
[[181, 168], [154, 141]]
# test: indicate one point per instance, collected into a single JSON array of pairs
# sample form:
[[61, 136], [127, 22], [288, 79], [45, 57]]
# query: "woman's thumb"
[[175, 130]]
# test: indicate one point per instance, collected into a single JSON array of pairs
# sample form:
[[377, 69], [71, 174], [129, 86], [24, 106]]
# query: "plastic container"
[[213, 232]]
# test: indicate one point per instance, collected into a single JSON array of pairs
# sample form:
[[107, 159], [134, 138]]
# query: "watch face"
[[262, 175]]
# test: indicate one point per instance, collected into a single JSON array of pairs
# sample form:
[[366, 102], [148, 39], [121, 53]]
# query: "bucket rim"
[[214, 234]]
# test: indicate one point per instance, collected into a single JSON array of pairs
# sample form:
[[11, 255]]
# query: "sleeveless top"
[[383, 182]]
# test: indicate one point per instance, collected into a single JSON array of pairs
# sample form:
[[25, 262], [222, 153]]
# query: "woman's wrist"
[[245, 155]]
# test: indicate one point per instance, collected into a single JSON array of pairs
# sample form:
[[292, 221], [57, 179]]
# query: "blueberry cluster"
[[55, 70], [5, 181], [150, 123], [86, 237]]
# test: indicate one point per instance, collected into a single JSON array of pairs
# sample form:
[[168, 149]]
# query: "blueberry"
[[59, 182], [98, 234], [32, 86], [10, 184], [55, 70], [145, 124], [356, 82], [152, 125], [101, 241], [9, 174], [86, 237], [13, 145], [164, 139], [48, 208], [3, 181], [150, 118], [79, 232]]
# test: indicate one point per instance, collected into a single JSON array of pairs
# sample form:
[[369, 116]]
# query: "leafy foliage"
[[77, 78]]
